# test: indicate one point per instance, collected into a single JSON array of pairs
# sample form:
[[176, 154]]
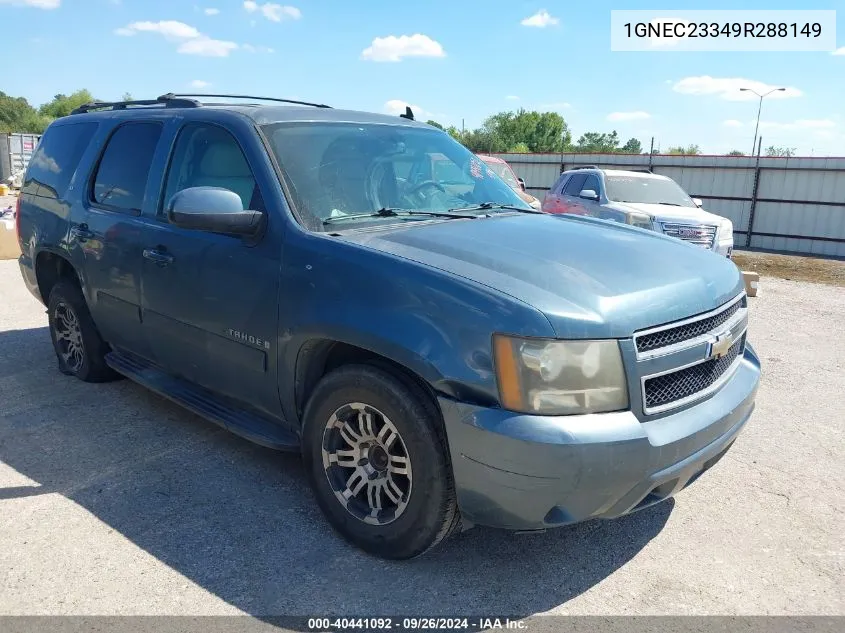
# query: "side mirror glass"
[[521, 182], [212, 209], [698, 202], [588, 194]]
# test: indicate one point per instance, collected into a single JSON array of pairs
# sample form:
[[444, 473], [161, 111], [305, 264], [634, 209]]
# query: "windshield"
[[646, 190], [334, 170], [504, 172]]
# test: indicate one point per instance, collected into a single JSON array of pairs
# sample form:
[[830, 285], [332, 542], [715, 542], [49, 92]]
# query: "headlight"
[[559, 377], [640, 220], [535, 204], [726, 231]]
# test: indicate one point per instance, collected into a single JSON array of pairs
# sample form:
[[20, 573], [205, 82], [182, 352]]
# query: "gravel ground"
[[115, 501]]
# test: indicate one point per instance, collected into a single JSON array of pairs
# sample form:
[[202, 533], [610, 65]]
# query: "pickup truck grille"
[[675, 386], [687, 331], [701, 234]]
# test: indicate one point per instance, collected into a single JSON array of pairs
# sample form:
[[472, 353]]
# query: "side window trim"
[[161, 214], [90, 200]]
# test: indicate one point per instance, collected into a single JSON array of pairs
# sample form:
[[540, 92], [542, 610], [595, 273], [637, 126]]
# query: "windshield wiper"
[[388, 212], [671, 204], [484, 206]]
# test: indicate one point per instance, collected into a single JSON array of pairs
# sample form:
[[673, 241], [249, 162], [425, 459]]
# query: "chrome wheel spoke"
[[387, 436], [398, 465], [350, 435], [356, 482], [392, 491], [365, 422], [344, 458], [374, 496]]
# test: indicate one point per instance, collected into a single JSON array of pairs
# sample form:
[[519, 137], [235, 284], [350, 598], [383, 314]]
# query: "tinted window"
[[122, 175], [574, 186], [209, 156], [592, 182], [55, 160]]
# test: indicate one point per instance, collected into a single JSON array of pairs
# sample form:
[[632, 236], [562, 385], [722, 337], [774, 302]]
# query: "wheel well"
[[50, 268], [318, 357]]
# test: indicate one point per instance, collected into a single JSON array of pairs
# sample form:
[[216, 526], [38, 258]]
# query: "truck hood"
[[668, 213], [591, 278]]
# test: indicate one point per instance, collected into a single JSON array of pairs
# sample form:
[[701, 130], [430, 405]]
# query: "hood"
[[591, 278], [668, 213]]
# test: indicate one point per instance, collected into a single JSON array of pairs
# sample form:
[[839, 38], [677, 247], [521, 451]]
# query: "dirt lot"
[[115, 501], [792, 267]]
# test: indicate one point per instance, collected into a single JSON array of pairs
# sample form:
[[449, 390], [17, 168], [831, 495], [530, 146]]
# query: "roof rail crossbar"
[[171, 95], [123, 105]]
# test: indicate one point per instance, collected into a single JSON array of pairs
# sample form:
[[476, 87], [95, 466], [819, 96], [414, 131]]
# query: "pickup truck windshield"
[[504, 172], [335, 170], [647, 190]]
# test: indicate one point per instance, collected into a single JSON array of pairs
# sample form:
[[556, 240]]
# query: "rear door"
[[109, 233], [210, 301], [590, 207], [570, 202]]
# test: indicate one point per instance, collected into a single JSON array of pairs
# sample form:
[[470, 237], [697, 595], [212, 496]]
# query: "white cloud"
[[732, 123], [512, 98], [249, 48], [273, 12], [839, 51], [639, 115], [541, 20], [190, 40], [397, 107], [728, 88], [211, 11], [38, 4], [199, 83], [393, 49]]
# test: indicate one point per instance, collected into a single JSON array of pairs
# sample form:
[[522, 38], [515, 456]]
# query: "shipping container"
[[15, 151]]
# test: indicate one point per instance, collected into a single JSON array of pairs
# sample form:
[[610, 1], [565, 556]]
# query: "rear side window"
[[575, 185], [125, 166], [56, 159]]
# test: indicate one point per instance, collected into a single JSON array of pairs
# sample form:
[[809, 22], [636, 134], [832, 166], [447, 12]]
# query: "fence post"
[[651, 155], [750, 230]]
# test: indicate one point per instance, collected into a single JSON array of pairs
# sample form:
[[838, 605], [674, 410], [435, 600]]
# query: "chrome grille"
[[701, 234], [675, 386], [687, 331]]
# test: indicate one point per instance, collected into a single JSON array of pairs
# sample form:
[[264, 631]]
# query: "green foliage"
[[689, 150], [633, 146], [434, 123], [736, 152], [772, 150], [127, 96], [520, 148], [596, 143], [540, 131], [63, 105], [16, 115]]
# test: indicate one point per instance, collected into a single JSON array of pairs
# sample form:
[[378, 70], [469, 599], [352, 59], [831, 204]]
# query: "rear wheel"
[[376, 455], [79, 348]]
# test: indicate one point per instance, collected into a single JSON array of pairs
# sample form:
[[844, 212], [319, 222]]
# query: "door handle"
[[80, 233], [162, 259]]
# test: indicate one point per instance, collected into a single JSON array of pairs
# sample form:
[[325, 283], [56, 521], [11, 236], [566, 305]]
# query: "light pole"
[[759, 107]]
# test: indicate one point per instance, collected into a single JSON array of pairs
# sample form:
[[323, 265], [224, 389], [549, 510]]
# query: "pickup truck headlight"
[[726, 231], [555, 377], [640, 220]]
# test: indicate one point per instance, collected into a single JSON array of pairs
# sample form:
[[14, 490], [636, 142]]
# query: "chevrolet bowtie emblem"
[[720, 346]]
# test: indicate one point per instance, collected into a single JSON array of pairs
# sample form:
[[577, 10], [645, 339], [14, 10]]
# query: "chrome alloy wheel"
[[69, 337], [367, 463]]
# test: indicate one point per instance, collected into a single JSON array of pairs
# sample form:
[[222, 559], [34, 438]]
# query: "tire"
[[80, 350], [426, 512]]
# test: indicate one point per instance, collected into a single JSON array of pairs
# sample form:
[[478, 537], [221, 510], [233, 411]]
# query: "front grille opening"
[[688, 331], [701, 234], [681, 384]]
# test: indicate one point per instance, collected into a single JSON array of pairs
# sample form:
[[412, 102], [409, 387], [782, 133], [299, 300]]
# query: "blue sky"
[[453, 60]]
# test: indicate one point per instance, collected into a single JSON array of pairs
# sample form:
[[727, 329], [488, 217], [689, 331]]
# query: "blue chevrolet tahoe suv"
[[442, 354]]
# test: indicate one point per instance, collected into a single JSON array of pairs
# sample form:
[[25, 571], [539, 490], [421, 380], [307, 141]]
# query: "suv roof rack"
[[585, 167], [164, 101], [173, 100], [173, 96]]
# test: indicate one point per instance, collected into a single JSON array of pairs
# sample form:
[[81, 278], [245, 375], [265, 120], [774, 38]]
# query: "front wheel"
[[376, 455]]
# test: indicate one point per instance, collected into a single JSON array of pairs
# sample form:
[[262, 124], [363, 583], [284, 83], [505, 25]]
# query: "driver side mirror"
[[521, 182], [212, 209], [588, 194], [698, 202]]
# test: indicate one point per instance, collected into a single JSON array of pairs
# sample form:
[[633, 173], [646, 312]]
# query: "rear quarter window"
[[57, 158]]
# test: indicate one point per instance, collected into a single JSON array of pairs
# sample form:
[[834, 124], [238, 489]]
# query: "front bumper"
[[725, 249], [527, 472]]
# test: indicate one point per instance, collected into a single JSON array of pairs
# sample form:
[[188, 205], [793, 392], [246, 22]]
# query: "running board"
[[249, 425]]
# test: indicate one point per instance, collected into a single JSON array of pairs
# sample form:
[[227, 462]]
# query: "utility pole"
[[759, 108]]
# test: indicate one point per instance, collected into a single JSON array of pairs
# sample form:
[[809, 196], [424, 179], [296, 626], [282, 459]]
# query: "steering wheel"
[[426, 183]]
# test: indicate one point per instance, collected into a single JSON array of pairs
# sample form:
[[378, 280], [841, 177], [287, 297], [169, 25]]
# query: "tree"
[[540, 131], [127, 96], [689, 150], [63, 105], [520, 148], [736, 152], [596, 143], [16, 115], [780, 151], [633, 146]]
